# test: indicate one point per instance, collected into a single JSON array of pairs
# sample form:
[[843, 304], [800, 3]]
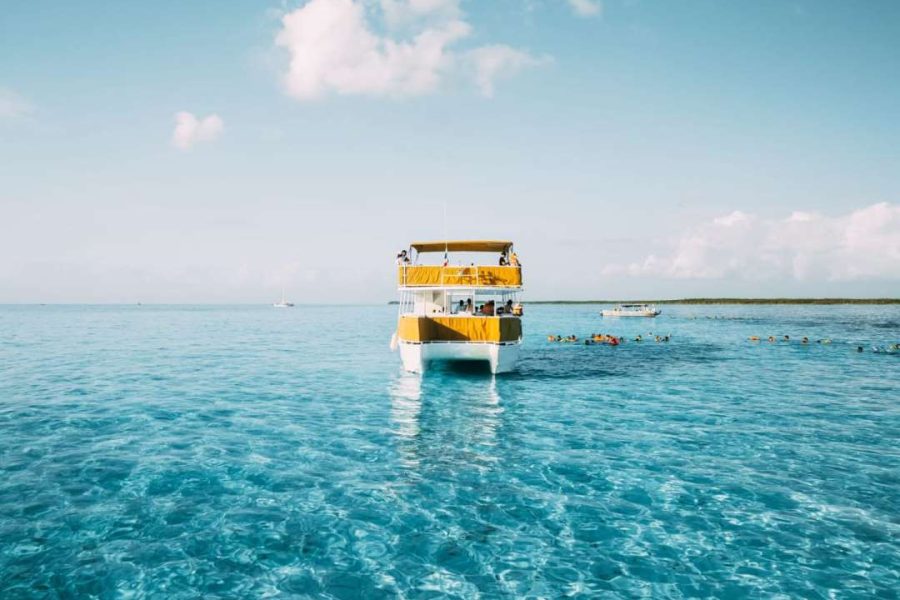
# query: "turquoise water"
[[185, 452]]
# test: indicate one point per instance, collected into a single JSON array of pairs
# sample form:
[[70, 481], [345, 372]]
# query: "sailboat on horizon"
[[284, 303]]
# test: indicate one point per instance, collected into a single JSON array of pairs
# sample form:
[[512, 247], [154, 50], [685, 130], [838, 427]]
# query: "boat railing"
[[459, 276]]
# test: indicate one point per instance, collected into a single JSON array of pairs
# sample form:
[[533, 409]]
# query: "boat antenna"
[[446, 241]]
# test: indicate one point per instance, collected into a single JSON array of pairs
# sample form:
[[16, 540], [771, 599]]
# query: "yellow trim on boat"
[[473, 276], [459, 329]]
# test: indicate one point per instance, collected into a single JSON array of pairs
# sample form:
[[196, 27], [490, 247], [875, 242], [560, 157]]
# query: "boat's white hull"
[[622, 313], [502, 358]]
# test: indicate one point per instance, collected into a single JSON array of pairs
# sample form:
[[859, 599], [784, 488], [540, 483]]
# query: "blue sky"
[[652, 149]]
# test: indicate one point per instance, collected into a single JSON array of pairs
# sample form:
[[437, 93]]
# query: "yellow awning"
[[462, 246]]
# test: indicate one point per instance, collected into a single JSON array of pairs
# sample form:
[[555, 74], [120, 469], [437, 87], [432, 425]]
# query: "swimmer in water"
[[771, 338], [754, 338], [638, 338], [805, 340]]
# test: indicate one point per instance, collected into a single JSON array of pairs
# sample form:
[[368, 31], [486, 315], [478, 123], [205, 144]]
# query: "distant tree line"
[[730, 301], [724, 301]]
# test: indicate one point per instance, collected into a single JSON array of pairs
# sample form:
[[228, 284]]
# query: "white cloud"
[[863, 244], [189, 129], [586, 8], [333, 49], [492, 62], [13, 106]]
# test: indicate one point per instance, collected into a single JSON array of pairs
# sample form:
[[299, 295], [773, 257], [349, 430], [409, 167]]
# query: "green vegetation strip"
[[730, 301]]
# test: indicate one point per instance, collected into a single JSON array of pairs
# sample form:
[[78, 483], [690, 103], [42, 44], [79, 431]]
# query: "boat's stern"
[[501, 358], [464, 338]]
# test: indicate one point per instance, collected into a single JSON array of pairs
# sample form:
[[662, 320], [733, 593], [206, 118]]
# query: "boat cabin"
[[467, 288]]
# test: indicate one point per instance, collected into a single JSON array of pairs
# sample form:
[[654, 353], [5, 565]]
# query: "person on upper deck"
[[509, 307], [469, 308], [403, 258], [514, 260]]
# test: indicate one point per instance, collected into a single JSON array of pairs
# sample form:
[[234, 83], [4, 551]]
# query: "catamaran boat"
[[459, 313], [284, 303], [631, 310]]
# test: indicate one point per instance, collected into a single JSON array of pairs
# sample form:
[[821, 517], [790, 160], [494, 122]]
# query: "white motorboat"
[[631, 310]]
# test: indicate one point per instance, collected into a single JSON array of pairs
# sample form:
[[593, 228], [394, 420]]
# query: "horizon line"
[[689, 300]]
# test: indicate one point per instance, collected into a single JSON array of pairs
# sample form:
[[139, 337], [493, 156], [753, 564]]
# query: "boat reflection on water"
[[406, 405], [450, 422]]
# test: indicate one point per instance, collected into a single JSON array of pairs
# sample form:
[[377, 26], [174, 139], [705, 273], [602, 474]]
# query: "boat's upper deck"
[[474, 276], [506, 274]]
